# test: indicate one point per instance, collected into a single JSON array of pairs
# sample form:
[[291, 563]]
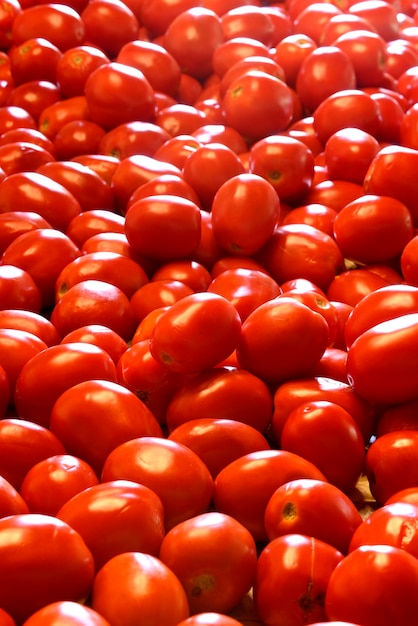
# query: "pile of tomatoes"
[[208, 312]]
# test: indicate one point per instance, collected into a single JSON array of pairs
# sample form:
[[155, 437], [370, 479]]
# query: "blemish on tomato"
[[289, 511], [204, 582]]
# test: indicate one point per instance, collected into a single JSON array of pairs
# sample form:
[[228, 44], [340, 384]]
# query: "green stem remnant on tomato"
[[204, 582], [289, 511]]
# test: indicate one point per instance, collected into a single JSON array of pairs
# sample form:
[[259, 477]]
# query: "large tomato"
[[68, 611]]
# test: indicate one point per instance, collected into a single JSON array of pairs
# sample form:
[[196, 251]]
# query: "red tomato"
[[348, 154], [380, 363], [101, 336], [54, 480], [63, 572], [367, 51], [109, 24], [196, 333], [35, 393], [210, 618], [18, 290], [17, 347], [134, 507], [219, 393], [219, 441], [109, 412], [397, 417], [5, 392], [290, 52], [117, 93], [173, 471], [301, 506], [393, 576], [258, 104], [157, 15], [165, 184], [118, 601], [7, 620], [23, 156], [319, 303], [35, 58], [31, 322], [325, 434], [156, 294], [391, 114], [59, 24], [334, 193], [235, 49], [214, 557], [408, 262], [312, 20], [78, 137], [11, 503], [264, 471], [318, 215], [261, 63], [287, 327], [133, 137], [32, 135], [34, 96], [380, 14], [93, 222], [75, 65], [70, 612], [333, 363], [191, 273], [248, 21], [293, 572], [57, 115], [353, 285]]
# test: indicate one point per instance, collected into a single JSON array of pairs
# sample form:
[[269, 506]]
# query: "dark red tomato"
[[219, 441], [398, 417], [301, 251], [71, 363], [408, 262], [109, 412], [353, 285], [173, 471], [64, 572], [158, 293], [368, 53], [258, 104], [222, 392], [101, 336], [378, 306], [18, 290], [11, 503], [109, 24], [116, 599], [380, 363], [43, 253], [133, 138], [292, 394], [17, 347], [191, 273], [214, 557], [393, 576], [35, 58], [23, 444], [196, 333], [286, 163], [78, 137], [323, 61], [292, 577], [348, 154], [256, 212], [68, 611], [391, 525], [57, 115], [380, 14], [59, 24], [35, 192], [301, 506], [53, 481], [264, 471], [407, 130], [134, 507], [245, 288], [75, 65], [392, 173], [34, 96], [373, 229], [31, 322], [117, 93], [94, 301], [163, 227], [235, 49], [287, 327], [333, 364]]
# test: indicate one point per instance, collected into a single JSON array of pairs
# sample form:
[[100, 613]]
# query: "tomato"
[[348, 154], [196, 333], [176, 149], [6, 619], [42, 252], [312, 430], [235, 49], [397, 417], [408, 263], [365, 45], [5, 392], [157, 15], [322, 61], [180, 118], [222, 392], [77, 137], [380, 364], [248, 110], [11, 503], [243, 488], [120, 602], [380, 14], [319, 303], [312, 20], [109, 24], [392, 114], [101, 336], [353, 285], [73, 613], [392, 173], [407, 129], [64, 572], [392, 525], [34, 96], [172, 470], [208, 618], [75, 65], [133, 137], [36, 193], [318, 215], [378, 306], [248, 21], [54, 480], [21, 156], [117, 93], [31, 135], [35, 58], [71, 363], [290, 52], [261, 63], [55, 116], [191, 273], [214, 557], [18, 290], [16, 348], [93, 222], [156, 294], [334, 193], [293, 572], [392, 574], [59, 24], [293, 393]]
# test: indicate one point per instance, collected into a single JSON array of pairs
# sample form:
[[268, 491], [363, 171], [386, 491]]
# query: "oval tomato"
[[11, 502], [59, 24], [73, 613]]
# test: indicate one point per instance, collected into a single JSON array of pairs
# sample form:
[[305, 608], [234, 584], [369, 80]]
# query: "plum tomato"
[[101, 336], [68, 611], [18, 290], [352, 285], [11, 502]]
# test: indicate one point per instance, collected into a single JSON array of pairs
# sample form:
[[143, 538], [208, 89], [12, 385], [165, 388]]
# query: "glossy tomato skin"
[[180, 478], [264, 471], [17, 347], [18, 290], [292, 577], [110, 413], [73, 613], [134, 523], [214, 557], [348, 154], [109, 25], [64, 572], [408, 262], [35, 323], [207, 618], [196, 333], [101, 336], [388, 376], [59, 24], [351, 286], [11, 502], [120, 602], [75, 65], [15, 223], [396, 575]]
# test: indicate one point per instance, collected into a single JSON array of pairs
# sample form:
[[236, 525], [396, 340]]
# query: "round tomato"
[[353, 285], [35, 58], [156, 294], [367, 51], [18, 290], [68, 611], [209, 618], [348, 154], [75, 65], [109, 24], [58, 23], [101, 336]]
